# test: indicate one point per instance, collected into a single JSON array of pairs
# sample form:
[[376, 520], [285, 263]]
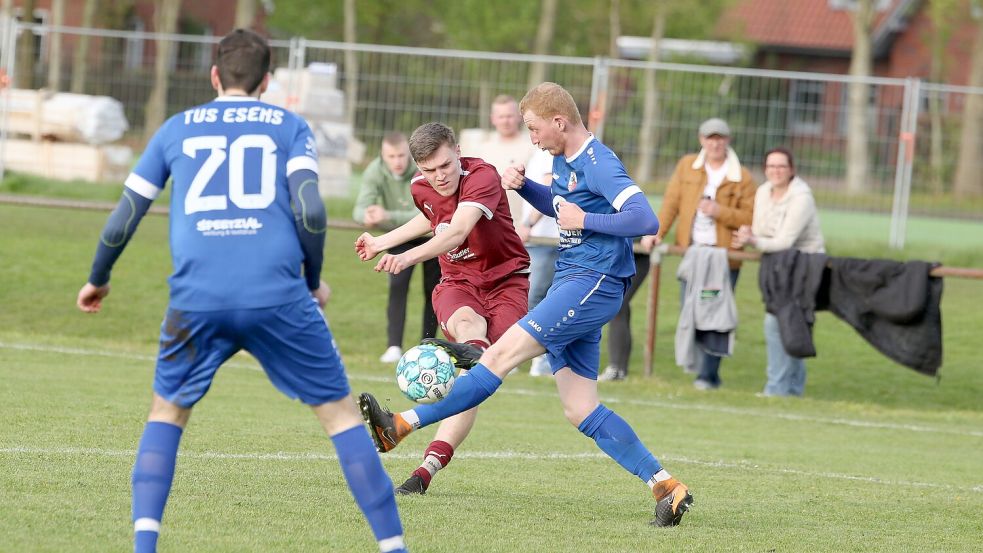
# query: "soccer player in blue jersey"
[[598, 209], [245, 217]]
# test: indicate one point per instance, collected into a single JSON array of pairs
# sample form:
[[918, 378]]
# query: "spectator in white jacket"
[[785, 217]]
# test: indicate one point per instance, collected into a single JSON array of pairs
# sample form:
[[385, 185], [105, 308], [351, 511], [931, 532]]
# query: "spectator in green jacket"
[[384, 203]]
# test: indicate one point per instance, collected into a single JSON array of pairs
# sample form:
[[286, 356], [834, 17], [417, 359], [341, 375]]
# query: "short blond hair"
[[504, 99], [548, 100]]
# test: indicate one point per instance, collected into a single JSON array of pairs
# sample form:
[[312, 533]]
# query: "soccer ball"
[[425, 373]]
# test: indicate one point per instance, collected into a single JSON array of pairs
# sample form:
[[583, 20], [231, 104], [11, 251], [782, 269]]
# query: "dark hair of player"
[[428, 138], [243, 60]]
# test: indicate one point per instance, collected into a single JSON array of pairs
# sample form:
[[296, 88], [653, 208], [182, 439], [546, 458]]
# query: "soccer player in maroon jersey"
[[484, 285]]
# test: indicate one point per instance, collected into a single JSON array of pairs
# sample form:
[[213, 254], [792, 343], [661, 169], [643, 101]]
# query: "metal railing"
[[914, 126]]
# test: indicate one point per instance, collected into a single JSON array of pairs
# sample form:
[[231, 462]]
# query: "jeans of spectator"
[[399, 288], [708, 366], [786, 374], [542, 265], [619, 328]]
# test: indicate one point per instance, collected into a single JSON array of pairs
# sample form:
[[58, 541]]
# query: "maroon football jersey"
[[492, 250]]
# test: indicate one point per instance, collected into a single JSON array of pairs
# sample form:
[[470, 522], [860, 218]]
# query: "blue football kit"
[[237, 280], [594, 268]]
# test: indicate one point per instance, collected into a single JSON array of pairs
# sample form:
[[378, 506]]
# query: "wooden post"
[[652, 310]]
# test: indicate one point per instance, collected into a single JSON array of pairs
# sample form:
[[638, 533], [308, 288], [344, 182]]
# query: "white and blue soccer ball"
[[425, 373]]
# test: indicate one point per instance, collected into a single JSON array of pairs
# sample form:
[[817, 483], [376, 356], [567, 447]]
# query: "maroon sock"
[[480, 344], [437, 456]]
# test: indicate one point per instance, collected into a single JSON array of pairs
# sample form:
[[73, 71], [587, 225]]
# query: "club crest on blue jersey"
[[572, 183]]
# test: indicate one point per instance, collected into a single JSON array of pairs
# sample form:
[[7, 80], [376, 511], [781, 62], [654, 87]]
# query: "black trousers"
[[619, 328], [399, 289]]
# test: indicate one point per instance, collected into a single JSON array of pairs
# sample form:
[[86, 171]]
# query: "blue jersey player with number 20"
[[245, 217], [598, 209]]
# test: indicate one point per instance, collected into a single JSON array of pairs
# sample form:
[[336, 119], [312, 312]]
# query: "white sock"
[[394, 543], [411, 418], [660, 476]]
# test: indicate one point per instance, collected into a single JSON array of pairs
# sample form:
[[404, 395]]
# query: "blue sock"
[[470, 389], [152, 476], [370, 485], [616, 438]]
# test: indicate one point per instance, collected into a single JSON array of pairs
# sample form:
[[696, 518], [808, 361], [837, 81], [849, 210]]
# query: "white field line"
[[533, 393], [488, 456]]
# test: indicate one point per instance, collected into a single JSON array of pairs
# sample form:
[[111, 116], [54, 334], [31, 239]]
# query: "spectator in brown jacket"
[[712, 195]]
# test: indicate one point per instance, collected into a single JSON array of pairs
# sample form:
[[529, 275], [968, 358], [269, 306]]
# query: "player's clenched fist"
[[569, 216], [365, 247], [514, 177]]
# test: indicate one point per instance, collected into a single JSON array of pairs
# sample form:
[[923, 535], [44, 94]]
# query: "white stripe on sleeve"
[[484, 209], [141, 186], [624, 195], [301, 162]]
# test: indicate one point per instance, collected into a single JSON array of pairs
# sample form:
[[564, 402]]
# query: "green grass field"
[[875, 458]]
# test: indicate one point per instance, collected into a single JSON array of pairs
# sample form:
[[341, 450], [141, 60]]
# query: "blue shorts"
[[569, 319], [292, 342]]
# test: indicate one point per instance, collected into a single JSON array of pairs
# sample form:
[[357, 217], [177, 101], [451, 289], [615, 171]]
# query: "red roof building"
[[817, 36]]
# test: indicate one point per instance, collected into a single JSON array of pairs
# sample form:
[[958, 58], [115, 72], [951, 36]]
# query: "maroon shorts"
[[500, 306]]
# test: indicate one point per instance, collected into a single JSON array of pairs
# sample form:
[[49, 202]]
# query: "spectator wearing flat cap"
[[711, 195]]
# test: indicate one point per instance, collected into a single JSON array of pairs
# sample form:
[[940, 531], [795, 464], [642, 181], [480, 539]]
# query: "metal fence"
[[913, 127]]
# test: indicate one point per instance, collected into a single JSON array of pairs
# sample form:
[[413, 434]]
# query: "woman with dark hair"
[[785, 217]]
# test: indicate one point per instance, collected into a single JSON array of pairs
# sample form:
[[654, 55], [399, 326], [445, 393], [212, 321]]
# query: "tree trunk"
[[165, 21], [859, 98], [80, 61], [351, 61], [544, 38], [614, 28], [650, 103], [54, 45], [245, 13], [969, 169], [942, 14], [25, 48]]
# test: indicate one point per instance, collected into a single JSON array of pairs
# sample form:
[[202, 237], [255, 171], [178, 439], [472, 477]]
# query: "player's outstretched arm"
[[463, 221], [368, 246], [120, 226]]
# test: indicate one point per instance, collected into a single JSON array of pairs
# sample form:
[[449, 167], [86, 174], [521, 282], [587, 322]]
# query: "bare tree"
[[25, 48], [614, 27], [80, 61], [598, 110], [245, 13], [351, 61], [54, 45], [650, 102], [942, 13], [544, 38], [165, 21], [969, 168], [859, 97]]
